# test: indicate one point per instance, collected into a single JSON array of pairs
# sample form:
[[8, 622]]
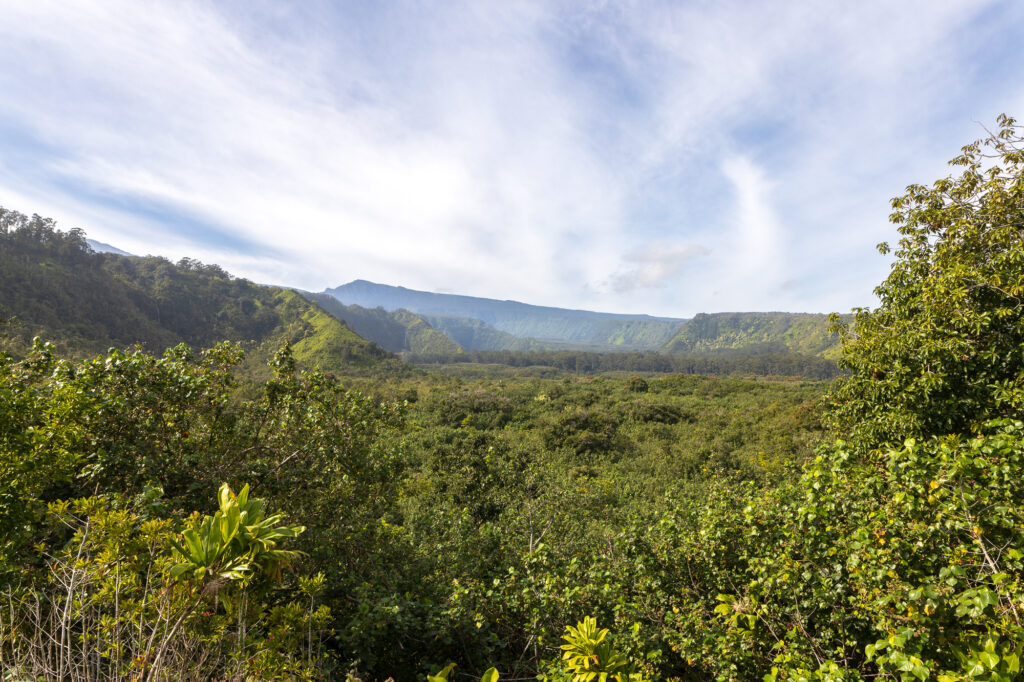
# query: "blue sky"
[[668, 158]]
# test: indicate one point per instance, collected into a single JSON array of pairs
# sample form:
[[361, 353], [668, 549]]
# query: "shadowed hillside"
[[478, 335], [399, 331]]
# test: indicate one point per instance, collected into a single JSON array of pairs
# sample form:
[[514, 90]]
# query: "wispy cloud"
[[755, 240], [518, 150], [654, 266]]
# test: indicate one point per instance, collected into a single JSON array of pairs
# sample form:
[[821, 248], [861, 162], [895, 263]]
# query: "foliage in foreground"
[[126, 595], [899, 554], [130, 444]]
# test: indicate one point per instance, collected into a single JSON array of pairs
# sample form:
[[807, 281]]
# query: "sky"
[[666, 158]]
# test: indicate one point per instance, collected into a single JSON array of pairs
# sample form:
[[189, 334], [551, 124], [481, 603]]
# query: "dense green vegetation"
[[578, 362], [682, 527], [133, 443], [413, 522]]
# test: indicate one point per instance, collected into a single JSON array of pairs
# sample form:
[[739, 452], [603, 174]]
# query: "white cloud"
[[652, 267], [522, 150], [756, 237], [169, 106]]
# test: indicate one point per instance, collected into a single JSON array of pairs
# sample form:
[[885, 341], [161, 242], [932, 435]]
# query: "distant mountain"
[[101, 247], [562, 326], [805, 333], [399, 331], [52, 284]]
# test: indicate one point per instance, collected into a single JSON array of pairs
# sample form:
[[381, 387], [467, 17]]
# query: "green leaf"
[[441, 675], [990, 659]]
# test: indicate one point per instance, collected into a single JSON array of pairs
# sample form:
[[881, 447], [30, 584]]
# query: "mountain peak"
[[103, 247]]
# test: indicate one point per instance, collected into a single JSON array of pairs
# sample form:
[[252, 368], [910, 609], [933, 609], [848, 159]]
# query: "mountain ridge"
[[365, 285], [521, 320], [757, 332], [103, 247], [478, 323]]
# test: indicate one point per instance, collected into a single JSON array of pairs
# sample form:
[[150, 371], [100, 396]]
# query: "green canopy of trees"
[[52, 284]]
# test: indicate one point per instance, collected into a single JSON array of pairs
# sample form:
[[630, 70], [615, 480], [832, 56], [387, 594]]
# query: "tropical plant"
[[237, 543], [589, 655], [105, 602], [490, 675]]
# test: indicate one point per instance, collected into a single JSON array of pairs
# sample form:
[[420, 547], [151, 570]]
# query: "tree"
[[900, 553], [942, 353]]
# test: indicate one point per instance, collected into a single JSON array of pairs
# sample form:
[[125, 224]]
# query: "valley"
[[205, 478], [481, 324]]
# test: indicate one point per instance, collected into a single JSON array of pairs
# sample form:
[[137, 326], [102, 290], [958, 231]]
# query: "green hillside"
[[53, 284], [475, 335], [399, 331], [804, 333]]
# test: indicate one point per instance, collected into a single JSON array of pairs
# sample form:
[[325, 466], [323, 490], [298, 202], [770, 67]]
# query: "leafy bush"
[[124, 596]]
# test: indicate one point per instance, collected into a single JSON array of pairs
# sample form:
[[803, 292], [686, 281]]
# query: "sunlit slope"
[[805, 333]]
